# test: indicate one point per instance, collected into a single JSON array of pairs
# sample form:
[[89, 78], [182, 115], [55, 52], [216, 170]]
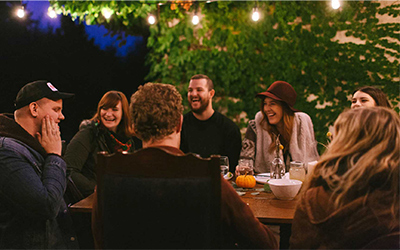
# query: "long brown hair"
[[378, 95], [110, 100], [288, 121], [363, 156]]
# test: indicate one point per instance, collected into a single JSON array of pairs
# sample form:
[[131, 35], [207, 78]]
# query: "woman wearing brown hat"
[[279, 119]]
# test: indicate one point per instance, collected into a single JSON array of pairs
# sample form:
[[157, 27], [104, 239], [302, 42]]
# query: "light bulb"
[[255, 16], [151, 19], [195, 20], [21, 12], [106, 12], [335, 4], [51, 12]]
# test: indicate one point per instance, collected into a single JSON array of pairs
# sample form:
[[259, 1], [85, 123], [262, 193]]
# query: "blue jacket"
[[33, 213]]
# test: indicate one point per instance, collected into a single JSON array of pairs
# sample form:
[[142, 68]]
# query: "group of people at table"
[[350, 200]]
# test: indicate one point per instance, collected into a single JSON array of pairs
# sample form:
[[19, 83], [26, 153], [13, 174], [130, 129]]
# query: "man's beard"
[[202, 108]]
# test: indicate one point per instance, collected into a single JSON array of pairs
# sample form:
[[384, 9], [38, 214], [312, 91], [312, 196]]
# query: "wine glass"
[[224, 164]]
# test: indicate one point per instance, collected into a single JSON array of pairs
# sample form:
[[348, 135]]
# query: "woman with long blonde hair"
[[279, 120], [352, 198]]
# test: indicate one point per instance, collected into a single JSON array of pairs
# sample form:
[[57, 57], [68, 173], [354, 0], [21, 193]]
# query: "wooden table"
[[268, 209], [265, 206], [83, 206]]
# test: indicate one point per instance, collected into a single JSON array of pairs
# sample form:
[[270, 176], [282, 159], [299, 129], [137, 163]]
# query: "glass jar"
[[297, 171], [245, 166]]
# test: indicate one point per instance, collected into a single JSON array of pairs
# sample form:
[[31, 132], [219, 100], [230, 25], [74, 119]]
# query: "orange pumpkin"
[[245, 181]]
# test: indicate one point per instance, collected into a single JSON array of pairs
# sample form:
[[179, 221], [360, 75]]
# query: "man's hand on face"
[[50, 138]]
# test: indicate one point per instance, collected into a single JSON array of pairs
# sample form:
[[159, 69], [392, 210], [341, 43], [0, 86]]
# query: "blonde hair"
[[110, 100], [288, 121], [156, 110], [362, 157]]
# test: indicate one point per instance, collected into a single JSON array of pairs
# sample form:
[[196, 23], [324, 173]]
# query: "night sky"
[[74, 57]]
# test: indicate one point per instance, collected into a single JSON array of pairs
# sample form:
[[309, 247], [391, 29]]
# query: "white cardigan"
[[302, 145]]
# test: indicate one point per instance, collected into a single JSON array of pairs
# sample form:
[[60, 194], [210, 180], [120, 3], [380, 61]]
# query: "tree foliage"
[[293, 41]]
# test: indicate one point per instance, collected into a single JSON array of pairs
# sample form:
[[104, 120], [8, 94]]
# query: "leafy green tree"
[[293, 41]]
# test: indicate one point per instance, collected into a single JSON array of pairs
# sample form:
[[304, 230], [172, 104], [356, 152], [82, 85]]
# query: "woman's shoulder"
[[302, 117], [87, 131], [87, 124]]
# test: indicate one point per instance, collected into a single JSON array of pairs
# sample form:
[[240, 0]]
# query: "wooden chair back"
[[153, 199]]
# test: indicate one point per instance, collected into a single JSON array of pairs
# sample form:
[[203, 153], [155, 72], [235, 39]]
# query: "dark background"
[[66, 58]]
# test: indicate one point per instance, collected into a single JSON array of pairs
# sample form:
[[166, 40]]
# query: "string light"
[[195, 19], [151, 19], [256, 15], [21, 12], [51, 13], [107, 13], [335, 4]]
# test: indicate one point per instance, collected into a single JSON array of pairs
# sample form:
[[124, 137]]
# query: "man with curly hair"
[[157, 120], [156, 111]]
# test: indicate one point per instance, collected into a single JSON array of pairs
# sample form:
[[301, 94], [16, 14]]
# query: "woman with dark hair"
[[109, 130], [279, 120], [369, 96], [351, 200]]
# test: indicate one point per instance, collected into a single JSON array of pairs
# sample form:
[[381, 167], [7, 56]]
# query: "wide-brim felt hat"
[[281, 91], [37, 90]]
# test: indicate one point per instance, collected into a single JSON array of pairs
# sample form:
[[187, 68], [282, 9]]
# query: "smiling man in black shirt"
[[206, 131]]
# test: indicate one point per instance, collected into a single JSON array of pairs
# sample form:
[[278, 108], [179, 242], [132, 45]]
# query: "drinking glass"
[[224, 164], [297, 171], [245, 166]]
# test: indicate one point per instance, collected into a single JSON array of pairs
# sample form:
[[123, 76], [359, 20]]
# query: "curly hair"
[[363, 157], [156, 110], [110, 100]]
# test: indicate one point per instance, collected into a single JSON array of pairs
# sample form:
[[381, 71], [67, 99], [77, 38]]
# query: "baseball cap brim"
[[59, 95]]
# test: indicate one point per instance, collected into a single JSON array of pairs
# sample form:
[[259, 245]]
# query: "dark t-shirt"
[[218, 135]]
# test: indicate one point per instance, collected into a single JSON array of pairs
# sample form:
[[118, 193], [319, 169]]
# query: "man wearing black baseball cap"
[[32, 172]]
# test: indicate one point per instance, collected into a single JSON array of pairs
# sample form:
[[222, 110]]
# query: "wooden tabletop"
[[83, 206], [265, 206], [268, 209]]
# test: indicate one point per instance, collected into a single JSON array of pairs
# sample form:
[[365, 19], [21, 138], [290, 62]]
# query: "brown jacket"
[[239, 222], [359, 224]]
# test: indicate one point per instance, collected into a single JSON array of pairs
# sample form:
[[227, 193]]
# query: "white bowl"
[[285, 189]]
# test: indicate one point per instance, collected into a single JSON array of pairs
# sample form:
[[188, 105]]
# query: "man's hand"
[[50, 138]]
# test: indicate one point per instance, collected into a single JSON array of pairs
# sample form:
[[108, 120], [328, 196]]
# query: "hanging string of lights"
[[20, 11], [151, 19]]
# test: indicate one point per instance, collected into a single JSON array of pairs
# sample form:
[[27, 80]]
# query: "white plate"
[[262, 178], [228, 176]]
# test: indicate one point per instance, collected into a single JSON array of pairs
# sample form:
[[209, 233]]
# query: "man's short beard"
[[201, 109]]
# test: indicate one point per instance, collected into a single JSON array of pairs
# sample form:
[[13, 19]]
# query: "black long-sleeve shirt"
[[217, 135]]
